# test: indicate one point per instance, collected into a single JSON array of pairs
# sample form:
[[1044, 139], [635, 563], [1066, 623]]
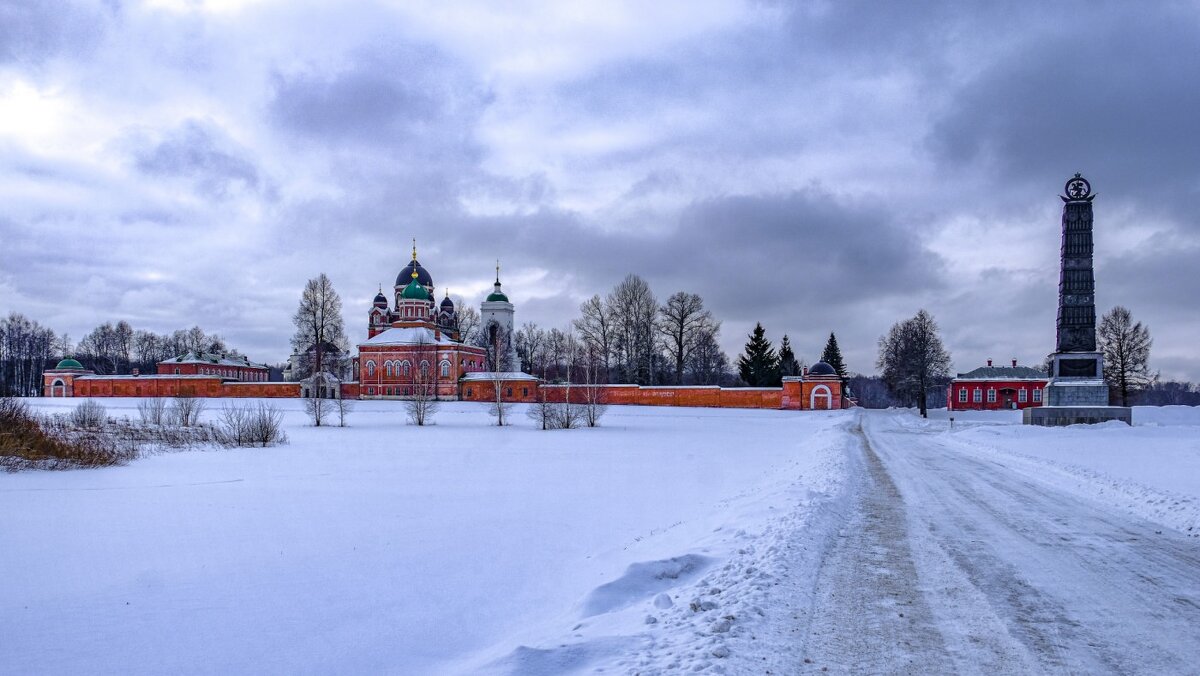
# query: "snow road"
[[950, 561]]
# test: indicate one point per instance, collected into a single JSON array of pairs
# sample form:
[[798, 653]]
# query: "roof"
[[410, 335], [1004, 373], [497, 296], [405, 275], [69, 364], [821, 369], [489, 376], [414, 291], [212, 358]]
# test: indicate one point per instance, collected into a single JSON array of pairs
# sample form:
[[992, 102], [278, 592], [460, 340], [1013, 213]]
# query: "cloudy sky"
[[816, 166]]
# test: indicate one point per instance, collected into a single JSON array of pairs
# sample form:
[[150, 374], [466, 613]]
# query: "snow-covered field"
[[670, 539], [1151, 470], [388, 548]]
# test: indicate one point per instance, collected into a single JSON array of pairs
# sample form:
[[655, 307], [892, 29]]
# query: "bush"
[[186, 409], [89, 415], [259, 425], [153, 411], [27, 442]]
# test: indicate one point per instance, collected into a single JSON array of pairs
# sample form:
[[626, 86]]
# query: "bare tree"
[[593, 395], [1126, 348], [530, 342], [317, 408], [467, 321], [633, 309], [499, 408], [186, 408], [344, 408], [423, 403], [595, 329], [708, 364], [913, 360], [26, 349], [152, 411], [319, 324], [682, 320]]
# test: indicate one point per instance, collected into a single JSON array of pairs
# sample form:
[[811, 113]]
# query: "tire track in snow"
[[870, 615]]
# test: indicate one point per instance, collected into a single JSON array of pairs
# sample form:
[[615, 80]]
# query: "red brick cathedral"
[[414, 343]]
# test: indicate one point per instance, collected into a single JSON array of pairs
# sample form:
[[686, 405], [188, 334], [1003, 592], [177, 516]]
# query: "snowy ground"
[[386, 548], [669, 540]]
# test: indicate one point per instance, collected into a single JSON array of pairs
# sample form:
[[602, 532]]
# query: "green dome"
[[414, 291], [69, 364], [497, 296]]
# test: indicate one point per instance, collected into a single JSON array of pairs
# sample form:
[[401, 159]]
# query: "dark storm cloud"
[[199, 152], [408, 97], [1111, 93], [33, 31]]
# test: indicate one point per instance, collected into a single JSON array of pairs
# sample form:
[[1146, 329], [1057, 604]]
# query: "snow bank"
[[655, 541], [1151, 469]]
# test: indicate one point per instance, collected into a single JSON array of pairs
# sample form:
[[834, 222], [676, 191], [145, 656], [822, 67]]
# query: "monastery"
[[414, 345]]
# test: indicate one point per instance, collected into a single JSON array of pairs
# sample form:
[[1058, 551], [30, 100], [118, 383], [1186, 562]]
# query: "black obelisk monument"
[[1076, 392]]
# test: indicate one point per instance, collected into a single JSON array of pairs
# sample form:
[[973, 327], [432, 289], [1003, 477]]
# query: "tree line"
[[27, 349]]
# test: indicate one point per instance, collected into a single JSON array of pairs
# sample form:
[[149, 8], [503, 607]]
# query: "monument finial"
[[414, 248], [1078, 189]]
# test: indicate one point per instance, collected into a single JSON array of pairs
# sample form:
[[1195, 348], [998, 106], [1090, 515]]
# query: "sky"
[[813, 166]]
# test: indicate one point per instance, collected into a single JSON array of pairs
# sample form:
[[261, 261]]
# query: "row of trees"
[[760, 366]]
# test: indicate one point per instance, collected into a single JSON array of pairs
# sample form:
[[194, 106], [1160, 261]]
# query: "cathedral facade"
[[414, 346]]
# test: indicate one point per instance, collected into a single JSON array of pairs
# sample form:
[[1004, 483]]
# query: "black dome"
[[446, 302], [821, 369], [405, 275], [380, 299]]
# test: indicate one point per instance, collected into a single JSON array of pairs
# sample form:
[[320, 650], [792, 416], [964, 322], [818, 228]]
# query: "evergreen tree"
[[758, 365], [833, 356], [788, 366]]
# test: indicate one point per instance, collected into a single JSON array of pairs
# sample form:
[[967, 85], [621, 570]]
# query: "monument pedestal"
[[1058, 416], [1076, 394]]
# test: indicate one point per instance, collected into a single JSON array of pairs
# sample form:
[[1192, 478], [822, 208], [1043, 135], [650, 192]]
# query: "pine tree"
[[758, 365], [833, 356], [788, 366]]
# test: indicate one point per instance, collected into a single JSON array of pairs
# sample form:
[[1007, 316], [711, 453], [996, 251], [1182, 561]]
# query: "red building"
[[223, 366], [414, 346], [992, 388]]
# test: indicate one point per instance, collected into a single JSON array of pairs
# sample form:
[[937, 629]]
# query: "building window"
[[445, 369], [371, 369], [407, 367], [991, 395], [370, 390], [524, 391], [468, 392], [977, 396], [1023, 395], [962, 395], [424, 369], [1037, 396], [387, 368]]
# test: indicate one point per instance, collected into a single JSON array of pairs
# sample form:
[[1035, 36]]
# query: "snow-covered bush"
[[152, 411], [88, 415]]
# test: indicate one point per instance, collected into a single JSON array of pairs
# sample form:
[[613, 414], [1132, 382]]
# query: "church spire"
[[414, 249], [497, 272]]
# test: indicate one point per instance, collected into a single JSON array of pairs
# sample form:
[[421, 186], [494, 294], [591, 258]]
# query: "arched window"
[[387, 368], [445, 369], [59, 389], [407, 367], [371, 368], [424, 369]]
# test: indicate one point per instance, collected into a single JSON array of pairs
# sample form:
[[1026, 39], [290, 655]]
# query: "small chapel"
[[414, 344]]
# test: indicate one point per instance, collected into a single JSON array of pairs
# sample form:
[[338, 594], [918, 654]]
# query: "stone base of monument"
[[1086, 392], [1058, 416]]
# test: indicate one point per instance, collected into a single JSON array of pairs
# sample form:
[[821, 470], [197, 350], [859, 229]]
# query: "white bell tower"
[[498, 321]]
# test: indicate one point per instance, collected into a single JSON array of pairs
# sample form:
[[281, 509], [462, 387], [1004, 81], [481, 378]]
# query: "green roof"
[[414, 291], [497, 295], [69, 364]]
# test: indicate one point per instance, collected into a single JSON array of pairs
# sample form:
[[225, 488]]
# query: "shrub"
[[27, 442], [153, 411], [186, 409], [259, 425], [89, 415]]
